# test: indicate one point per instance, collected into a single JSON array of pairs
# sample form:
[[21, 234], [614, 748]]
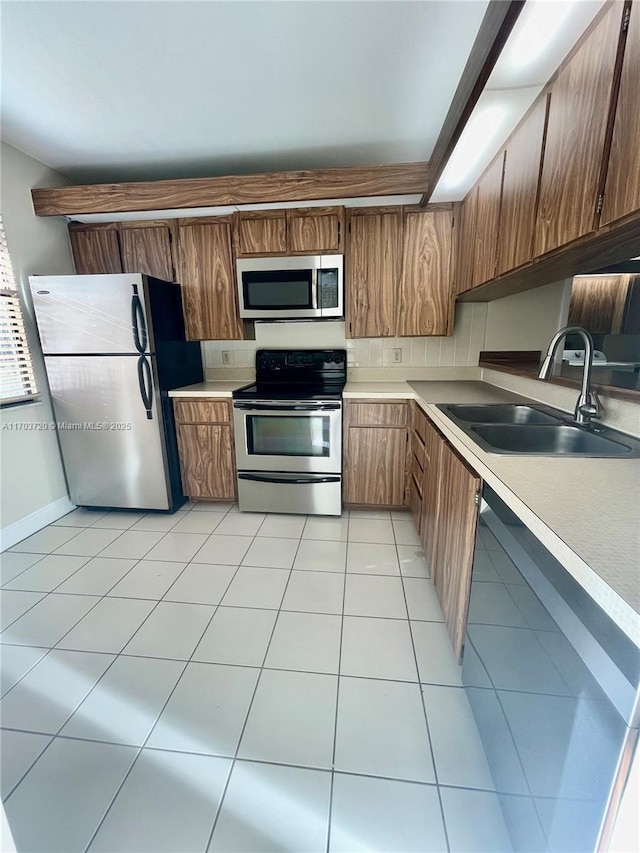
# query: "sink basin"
[[550, 440], [501, 413]]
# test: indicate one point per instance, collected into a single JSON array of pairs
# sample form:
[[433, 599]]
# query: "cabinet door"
[[523, 161], [375, 466], [485, 249], [465, 242], [96, 250], [373, 271], [315, 230], [208, 281], [147, 248], [206, 460], [261, 233], [426, 297], [622, 192], [457, 518], [576, 130]]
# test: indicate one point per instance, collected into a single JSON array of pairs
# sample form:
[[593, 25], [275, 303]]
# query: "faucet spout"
[[587, 406]]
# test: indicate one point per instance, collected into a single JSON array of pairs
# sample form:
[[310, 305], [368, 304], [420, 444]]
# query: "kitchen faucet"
[[587, 406]]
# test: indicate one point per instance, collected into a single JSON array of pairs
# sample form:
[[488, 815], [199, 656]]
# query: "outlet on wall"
[[397, 355], [226, 356]]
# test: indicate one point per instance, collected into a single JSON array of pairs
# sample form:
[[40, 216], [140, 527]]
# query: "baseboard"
[[19, 530]]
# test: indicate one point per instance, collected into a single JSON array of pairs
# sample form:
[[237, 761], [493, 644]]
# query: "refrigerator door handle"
[[145, 381], [138, 322]]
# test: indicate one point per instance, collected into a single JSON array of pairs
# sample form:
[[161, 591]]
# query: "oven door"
[[291, 436]]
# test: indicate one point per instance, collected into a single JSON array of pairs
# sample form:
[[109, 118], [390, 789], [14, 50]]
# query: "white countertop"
[[216, 388], [585, 511]]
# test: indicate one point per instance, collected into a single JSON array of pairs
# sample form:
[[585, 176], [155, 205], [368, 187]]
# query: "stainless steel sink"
[[537, 430], [549, 440], [502, 413]]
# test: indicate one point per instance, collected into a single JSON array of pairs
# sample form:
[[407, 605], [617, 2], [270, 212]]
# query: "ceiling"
[[113, 91]]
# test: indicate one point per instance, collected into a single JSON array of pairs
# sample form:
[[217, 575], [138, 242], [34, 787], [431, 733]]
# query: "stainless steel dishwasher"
[[553, 686]]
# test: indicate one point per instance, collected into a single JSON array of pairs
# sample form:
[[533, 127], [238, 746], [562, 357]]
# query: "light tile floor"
[[224, 681]]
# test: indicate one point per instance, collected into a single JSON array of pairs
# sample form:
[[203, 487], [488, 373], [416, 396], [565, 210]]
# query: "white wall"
[[459, 350], [33, 488], [528, 321]]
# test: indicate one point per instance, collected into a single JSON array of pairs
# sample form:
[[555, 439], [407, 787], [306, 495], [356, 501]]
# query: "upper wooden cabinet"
[[425, 298], [315, 230], [575, 141], [147, 247], [299, 231], [261, 232], [598, 302], [373, 266], [208, 281], [465, 232], [485, 248], [622, 190], [95, 248], [523, 161]]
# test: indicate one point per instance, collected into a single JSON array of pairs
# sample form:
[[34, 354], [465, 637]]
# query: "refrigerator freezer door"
[[91, 313], [111, 430]]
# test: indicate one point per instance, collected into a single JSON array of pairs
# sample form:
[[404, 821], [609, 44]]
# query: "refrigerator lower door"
[[111, 430]]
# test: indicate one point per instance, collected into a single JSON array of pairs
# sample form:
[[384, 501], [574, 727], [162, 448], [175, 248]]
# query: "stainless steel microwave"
[[304, 287]]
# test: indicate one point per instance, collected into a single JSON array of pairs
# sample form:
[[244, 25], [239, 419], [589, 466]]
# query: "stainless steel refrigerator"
[[113, 346]]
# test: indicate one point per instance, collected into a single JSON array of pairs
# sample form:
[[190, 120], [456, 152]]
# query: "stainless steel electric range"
[[288, 432]]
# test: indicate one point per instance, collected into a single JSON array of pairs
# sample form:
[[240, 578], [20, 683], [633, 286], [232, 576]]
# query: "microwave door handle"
[[314, 288]]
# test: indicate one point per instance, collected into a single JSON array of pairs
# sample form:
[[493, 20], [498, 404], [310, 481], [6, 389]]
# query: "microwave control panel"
[[328, 288]]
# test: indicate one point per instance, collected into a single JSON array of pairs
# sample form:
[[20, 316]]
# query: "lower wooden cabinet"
[[205, 445], [375, 453], [448, 516]]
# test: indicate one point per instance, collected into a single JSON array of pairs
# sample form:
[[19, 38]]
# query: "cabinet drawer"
[[377, 414], [415, 503], [418, 451], [419, 421], [202, 411]]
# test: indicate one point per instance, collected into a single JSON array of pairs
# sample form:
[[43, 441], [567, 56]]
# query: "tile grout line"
[[223, 793], [152, 727], [335, 723], [424, 711]]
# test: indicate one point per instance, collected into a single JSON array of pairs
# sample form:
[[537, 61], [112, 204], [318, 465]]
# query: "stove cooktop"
[[297, 375]]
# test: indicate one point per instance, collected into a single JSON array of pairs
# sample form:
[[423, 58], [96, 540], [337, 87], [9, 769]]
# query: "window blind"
[[17, 380]]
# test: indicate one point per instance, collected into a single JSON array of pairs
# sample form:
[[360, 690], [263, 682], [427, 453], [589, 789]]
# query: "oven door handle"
[[276, 407], [287, 480]]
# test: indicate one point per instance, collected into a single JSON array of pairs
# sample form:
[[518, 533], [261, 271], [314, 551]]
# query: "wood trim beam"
[[275, 187], [494, 31]]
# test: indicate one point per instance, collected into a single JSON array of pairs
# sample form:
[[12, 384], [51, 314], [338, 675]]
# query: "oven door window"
[[288, 435], [277, 290]]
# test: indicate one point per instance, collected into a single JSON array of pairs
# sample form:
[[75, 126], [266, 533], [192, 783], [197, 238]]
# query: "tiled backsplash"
[[461, 349]]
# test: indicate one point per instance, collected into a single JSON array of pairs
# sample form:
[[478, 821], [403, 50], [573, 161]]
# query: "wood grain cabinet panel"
[[206, 459], [465, 239], [148, 248], [598, 303], [523, 162], [456, 520], [208, 281], [433, 443], [315, 230], [95, 249], [261, 233], [375, 466], [489, 198], [373, 264], [377, 414], [575, 139], [202, 411], [426, 290], [622, 191]]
